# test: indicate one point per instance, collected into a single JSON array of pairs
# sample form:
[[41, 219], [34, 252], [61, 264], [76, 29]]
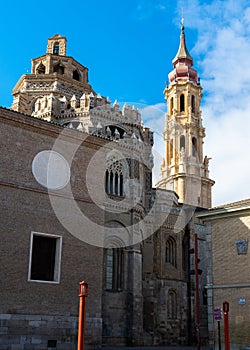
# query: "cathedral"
[[78, 204]]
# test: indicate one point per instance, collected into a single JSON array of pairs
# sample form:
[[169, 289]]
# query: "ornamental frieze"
[[39, 86], [66, 90]]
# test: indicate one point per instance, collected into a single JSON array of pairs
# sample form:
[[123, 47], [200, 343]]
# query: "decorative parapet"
[[96, 105]]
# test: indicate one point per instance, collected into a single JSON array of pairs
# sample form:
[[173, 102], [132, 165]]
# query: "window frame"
[[56, 48], [193, 104], [114, 179], [182, 103], [114, 269], [171, 251], [76, 75], [182, 142], [172, 305], [194, 147], [58, 257], [40, 69]]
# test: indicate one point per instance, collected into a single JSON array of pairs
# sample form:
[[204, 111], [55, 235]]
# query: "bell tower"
[[184, 170], [57, 45]]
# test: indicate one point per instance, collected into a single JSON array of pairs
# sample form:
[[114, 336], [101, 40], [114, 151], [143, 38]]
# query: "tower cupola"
[[183, 63]]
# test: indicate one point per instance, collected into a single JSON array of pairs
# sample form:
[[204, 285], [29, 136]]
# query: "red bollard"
[[226, 327], [83, 293]]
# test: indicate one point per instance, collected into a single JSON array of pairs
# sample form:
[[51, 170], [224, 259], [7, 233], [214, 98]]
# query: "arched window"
[[114, 179], [76, 75], [194, 147], [40, 69], [111, 182], [58, 68], [114, 261], [172, 305], [182, 103], [182, 142], [193, 104], [170, 256], [56, 48], [121, 185], [171, 106], [107, 181], [116, 183]]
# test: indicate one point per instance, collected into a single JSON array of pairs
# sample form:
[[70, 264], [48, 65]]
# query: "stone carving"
[[64, 90], [206, 162], [38, 86], [115, 166], [241, 246]]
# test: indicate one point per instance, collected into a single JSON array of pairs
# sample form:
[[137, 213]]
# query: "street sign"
[[242, 301], [217, 314]]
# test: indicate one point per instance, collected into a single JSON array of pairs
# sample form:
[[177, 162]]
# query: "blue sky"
[[129, 46]]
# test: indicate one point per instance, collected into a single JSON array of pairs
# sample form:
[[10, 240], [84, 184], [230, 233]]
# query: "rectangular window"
[[114, 269], [45, 257]]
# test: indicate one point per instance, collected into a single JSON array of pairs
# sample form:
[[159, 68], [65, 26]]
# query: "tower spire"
[[184, 168], [183, 62], [183, 55]]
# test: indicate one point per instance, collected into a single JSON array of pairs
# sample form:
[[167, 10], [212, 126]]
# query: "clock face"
[[51, 170]]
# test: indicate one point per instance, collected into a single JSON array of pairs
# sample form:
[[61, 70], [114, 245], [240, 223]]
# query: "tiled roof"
[[233, 204]]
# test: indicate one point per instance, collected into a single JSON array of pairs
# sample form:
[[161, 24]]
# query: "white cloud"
[[225, 75], [154, 117], [228, 144]]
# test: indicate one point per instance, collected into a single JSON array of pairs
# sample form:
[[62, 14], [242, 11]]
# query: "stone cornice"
[[53, 77], [224, 212]]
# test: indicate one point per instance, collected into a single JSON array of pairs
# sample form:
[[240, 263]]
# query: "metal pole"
[[219, 340], [197, 299], [81, 323], [226, 327], [226, 331], [83, 293]]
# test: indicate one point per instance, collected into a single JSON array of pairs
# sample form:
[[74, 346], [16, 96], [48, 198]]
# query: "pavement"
[[153, 348]]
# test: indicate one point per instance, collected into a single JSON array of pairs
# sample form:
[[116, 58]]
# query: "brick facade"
[[77, 174], [228, 272], [33, 313]]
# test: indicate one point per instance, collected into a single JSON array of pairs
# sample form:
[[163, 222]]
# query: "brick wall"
[[231, 276], [32, 313], [228, 271]]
